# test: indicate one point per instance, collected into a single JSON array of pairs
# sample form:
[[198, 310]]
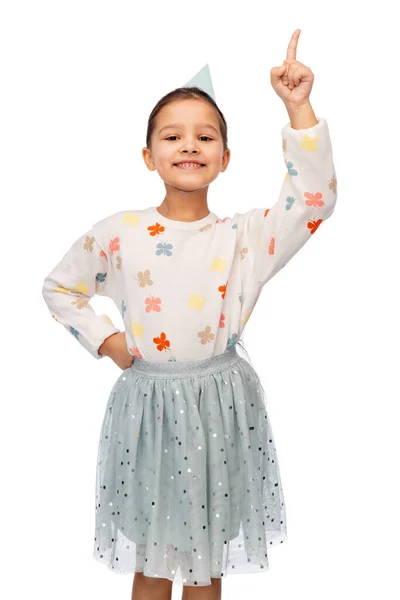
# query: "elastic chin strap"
[[186, 191]]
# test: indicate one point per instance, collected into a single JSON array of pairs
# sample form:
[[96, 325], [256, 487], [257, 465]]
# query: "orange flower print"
[[103, 255], [221, 220], [144, 278], [156, 229], [114, 245], [222, 288], [206, 335], [266, 212], [162, 342], [135, 351], [313, 225], [152, 304], [271, 246], [314, 199], [221, 321]]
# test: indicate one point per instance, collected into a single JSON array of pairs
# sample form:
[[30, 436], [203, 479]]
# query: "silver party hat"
[[202, 80]]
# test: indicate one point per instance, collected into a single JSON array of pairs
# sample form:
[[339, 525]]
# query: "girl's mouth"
[[189, 167]]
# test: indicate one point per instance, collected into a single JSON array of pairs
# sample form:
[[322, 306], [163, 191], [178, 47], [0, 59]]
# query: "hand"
[[115, 347], [292, 81]]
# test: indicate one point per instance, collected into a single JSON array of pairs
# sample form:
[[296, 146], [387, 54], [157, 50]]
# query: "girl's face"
[[187, 130]]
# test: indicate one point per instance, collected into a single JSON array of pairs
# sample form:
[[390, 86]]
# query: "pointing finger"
[[292, 47]]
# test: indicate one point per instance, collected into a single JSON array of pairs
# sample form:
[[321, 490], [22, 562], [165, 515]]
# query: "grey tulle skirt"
[[188, 484]]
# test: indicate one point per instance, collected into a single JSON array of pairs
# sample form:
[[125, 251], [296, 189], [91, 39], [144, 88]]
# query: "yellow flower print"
[[108, 320], [61, 289], [309, 143], [131, 219], [218, 264], [137, 329], [81, 287], [206, 335], [196, 302], [246, 317]]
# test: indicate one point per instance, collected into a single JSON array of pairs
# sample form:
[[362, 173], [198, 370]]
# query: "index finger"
[[292, 47]]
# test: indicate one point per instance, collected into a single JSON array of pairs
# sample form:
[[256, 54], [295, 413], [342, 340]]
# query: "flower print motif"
[[88, 245], [235, 226], [314, 199], [196, 301], [290, 170], [136, 352], [208, 226], [123, 309], [246, 318], [271, 246], [289, 202], [333, 184], [101, 277], [218, 264], [172, 360], [156, 229], [313, 225], [119, 261], [221, 220], [284, 145], [243, 252], [309, 142], [114, 245], [240, 298], [232, 341], [164, 248], [108, 320], [143, 277], [222, 321], [153, 304], [74, 331], [162, 342], [103, 254], [223, 288], [206, 335], [137, 329], [131, 219]]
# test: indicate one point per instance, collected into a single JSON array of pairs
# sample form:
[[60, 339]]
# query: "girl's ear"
[[148, 159], [225, 159]]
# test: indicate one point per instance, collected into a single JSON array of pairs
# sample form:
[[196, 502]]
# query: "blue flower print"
[[74, 331], [231, 342], [164, 248], [123, 308], [100, 277], [290, 168], [289, 201], [234, 226]]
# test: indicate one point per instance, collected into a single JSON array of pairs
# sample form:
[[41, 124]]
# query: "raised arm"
[[82, 273], [269, 237]]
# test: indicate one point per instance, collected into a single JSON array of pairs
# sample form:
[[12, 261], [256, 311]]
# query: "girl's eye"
[[174, 136]]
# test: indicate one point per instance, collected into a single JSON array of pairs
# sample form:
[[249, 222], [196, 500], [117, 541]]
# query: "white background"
[[78, 81]]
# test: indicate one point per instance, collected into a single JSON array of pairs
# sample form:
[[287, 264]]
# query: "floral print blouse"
[[185, 290]]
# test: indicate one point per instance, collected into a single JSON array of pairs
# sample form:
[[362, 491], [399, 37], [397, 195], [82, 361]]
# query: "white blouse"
[[185, 290]]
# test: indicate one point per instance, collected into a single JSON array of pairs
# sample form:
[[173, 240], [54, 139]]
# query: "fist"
[[115, 347], [292, 81]]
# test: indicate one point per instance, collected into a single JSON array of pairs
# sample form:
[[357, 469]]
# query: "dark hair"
[[186, 93]]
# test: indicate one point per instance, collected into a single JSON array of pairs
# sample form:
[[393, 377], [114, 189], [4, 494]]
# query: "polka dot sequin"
[[190, 487]]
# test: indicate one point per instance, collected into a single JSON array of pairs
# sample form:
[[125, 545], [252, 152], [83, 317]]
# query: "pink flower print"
[[221, 321], [103, 254], [314, 199], [114, 245], [153, 304], [135, 351]]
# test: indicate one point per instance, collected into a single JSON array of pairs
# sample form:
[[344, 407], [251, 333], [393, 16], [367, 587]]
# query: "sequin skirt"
[[188, 485]]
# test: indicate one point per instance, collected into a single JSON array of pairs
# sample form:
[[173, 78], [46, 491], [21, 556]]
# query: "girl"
[[188, 485]]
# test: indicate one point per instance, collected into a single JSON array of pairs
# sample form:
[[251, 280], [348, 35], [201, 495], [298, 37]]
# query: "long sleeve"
[[82, 273], [270, 237]]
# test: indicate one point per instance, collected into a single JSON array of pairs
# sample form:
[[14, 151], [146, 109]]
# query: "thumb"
[[276, 74]]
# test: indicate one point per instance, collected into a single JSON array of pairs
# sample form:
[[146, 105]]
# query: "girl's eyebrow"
[[179, 125]]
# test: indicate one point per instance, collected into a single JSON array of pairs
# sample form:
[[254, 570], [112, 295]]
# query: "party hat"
[[202, 80]]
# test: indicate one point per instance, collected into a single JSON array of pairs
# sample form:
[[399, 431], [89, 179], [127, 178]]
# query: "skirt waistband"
[[174, 369]]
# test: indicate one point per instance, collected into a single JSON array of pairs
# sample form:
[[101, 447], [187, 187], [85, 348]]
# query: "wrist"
[[301, 116]]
